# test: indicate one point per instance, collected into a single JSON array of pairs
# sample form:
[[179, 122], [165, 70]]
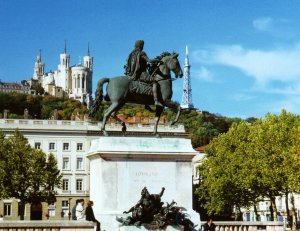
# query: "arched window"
[[78, 81], [83, 80]]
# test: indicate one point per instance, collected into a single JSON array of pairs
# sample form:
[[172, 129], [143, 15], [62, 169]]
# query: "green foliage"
[[39, 107], [204, 126], [201, 126], [38, 89], [28, 174], [251, 162]]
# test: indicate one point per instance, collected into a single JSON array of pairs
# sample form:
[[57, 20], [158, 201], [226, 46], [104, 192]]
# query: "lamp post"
[[69, 208]]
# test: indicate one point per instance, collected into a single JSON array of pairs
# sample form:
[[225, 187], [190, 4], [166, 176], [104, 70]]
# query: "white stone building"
[[70, 142], [67, 81]]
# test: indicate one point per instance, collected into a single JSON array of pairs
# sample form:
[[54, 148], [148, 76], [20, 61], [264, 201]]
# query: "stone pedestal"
[[120, 167]]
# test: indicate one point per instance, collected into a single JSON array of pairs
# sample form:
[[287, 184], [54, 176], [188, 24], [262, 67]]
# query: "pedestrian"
[[74, 210], [80, 210], [209, 225], [89, 214]]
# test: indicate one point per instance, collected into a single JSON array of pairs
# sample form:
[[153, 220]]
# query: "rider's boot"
[[155, 95]]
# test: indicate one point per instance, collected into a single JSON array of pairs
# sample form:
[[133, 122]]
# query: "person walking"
[[80, 210]]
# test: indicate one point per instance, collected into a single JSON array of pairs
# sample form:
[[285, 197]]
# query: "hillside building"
[[22, 87], [67, 81]]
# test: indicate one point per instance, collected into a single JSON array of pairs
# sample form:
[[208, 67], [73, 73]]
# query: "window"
[[64, 203], [64, 212], [65, 184], [37, 145], [7, 209], [79, 184], [65, 146], [66, 165], [51, 146], [51, 212], [79, 146], [79, 163]]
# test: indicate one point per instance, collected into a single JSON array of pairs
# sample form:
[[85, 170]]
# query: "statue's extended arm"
[[162, 192], [133, 207], [144, 56]]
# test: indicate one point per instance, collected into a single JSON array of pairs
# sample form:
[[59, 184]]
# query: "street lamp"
[[69, 208]]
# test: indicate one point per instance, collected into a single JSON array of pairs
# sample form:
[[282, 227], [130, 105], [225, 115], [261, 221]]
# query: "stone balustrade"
[[83, 125], [47, 225], [248, 226], [89, 226]]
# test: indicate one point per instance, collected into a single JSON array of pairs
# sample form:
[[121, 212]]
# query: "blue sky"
[[244, 54]]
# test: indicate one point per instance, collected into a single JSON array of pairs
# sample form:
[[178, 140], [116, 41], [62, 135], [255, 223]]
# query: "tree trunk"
[[255, 212], [289, 217], [274, 209], [294, 215], [22, 210]]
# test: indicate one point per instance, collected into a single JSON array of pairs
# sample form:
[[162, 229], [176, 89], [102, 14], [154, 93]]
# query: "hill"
[[202, 126]]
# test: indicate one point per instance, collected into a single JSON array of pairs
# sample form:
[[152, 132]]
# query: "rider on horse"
[[136, 69]]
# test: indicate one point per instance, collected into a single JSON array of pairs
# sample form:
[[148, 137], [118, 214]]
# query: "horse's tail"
[[98, 96]]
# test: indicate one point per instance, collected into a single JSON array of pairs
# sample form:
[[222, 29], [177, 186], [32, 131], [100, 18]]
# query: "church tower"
[[187, 89], [64, 59], [88, 64], [88, 60], [63, 69], [38, 68]]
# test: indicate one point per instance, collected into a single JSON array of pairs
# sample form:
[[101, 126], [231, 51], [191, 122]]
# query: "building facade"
[[22, 87], [67, 81], [70, 142]]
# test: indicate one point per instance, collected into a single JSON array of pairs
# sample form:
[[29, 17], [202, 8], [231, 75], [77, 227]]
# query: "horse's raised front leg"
[[115, 106], [176, 106]]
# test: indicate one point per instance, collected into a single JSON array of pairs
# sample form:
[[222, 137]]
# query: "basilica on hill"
[[67, 81]]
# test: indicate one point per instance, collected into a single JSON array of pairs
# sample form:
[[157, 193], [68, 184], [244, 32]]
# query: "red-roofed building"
[[15, 87]]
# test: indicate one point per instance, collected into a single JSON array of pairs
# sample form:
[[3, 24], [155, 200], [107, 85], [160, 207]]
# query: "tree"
[[29, 175], [273, 141], [252, 162], [223, 176]]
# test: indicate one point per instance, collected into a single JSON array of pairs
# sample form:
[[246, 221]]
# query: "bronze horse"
[[120, 90]]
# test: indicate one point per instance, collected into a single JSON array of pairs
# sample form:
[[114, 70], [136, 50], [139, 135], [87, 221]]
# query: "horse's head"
[[171, 63]]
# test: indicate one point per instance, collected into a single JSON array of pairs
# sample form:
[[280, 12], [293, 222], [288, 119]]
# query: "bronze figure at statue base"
[[151, 213]]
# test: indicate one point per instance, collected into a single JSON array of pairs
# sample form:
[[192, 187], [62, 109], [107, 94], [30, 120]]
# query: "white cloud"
[[263, 65], [277, 27], [203, 74], [242, 97], [263, 24]]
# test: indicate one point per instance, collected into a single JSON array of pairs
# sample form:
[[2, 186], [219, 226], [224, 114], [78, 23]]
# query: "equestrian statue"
[[146, 81]]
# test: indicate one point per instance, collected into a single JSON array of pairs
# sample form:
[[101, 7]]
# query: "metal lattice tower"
[[187, 89]]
